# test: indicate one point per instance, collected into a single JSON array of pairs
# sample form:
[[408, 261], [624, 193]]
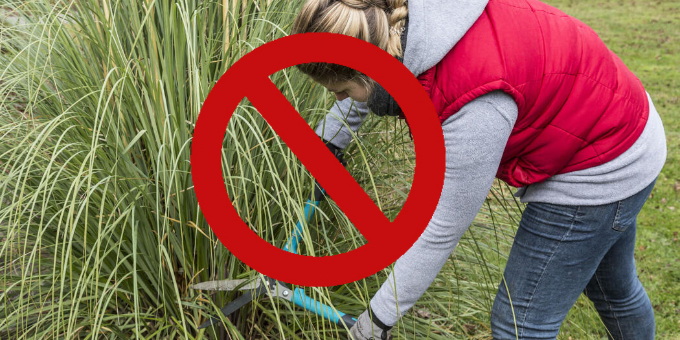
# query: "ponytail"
[[379, 22], [397, 20]]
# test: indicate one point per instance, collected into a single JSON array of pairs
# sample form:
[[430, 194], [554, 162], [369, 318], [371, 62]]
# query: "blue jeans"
[[560, 251]]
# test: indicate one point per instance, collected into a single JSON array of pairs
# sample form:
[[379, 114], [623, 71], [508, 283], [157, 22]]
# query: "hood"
[[434, 27]]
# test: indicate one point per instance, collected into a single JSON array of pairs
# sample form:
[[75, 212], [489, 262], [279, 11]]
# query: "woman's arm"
[[344, 115], [475, 138]]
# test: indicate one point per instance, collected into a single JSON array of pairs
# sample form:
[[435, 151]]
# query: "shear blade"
[[231, 307], [228, 285]]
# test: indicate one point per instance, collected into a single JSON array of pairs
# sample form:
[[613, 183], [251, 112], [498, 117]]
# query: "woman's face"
[[345, 89]]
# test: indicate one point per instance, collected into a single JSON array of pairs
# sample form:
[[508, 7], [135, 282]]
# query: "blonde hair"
[[379, 22]]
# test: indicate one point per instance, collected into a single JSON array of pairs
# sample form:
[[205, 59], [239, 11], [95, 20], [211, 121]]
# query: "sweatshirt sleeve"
[[344, 115], [475, 139]]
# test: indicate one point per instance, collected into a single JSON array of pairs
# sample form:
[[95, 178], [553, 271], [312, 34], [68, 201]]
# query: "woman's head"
[[378, 22]]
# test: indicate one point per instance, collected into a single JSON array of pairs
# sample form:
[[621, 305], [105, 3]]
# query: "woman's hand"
[[365, 329]]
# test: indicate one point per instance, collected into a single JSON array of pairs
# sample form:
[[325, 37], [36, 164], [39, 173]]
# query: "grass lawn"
[[646, 35]]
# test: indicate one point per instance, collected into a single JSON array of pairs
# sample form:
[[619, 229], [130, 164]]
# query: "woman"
[[532, 96]]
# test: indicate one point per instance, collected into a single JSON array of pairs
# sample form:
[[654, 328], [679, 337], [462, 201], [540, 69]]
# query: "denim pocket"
[[628, 209], [620, 222]]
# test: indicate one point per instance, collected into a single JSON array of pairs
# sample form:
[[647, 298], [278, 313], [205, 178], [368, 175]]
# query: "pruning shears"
[[264, 285]]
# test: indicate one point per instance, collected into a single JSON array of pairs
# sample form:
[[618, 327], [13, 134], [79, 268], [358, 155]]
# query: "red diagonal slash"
[[248, 77], [339, 184]]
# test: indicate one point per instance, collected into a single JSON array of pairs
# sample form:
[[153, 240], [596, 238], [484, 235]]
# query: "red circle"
[[387, 241]]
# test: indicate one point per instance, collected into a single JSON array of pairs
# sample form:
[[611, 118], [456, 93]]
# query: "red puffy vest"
[[579, 105]]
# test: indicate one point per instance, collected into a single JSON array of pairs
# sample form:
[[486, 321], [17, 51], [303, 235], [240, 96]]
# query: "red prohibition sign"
[[386, 241]]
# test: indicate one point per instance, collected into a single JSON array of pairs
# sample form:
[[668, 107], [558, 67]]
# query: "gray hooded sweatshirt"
[[475, 138]]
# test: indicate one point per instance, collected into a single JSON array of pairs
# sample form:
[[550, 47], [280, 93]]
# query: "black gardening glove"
[[367, 328], [339, 154]]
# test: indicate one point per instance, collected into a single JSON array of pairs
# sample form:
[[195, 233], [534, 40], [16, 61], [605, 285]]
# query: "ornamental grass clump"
[[101, 230]]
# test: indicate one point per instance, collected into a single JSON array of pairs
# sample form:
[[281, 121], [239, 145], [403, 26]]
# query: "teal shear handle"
[[299, 297], [292, 244], [310, 207]]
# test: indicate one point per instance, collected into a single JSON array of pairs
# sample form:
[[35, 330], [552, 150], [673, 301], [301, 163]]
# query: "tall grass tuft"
[[101, 231]]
